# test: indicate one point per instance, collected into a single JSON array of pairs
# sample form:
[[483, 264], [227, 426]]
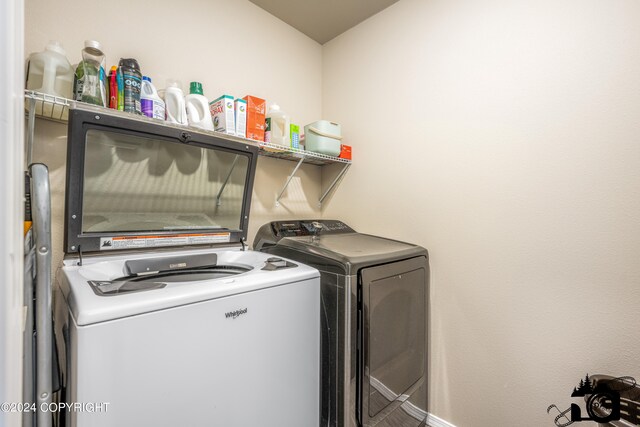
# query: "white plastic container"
[[176, 111], [151, 103], [198, 108], [323, 137], [278, 124], [50, 71]]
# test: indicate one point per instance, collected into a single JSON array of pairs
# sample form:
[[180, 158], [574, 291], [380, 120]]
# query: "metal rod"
[[41, 210], [29, 368], [286, 184], [335, 181], [31, 129], [226, 180]]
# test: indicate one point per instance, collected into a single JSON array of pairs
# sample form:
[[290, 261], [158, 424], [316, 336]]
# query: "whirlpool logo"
[[235, 314]]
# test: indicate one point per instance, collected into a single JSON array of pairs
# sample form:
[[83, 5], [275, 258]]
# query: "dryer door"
[[393, 360]]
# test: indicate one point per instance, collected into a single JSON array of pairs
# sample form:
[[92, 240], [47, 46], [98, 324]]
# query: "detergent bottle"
[[90, 78], [277, 121], [50, 71], [198, 107], [112, 80], [151, 103], [132, 84], [174, 103]]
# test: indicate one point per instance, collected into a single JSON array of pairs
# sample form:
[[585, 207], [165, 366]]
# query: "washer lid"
[[79, 284], [355, 250], [136, 183]]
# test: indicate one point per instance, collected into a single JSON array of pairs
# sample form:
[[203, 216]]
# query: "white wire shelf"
[[294, 154], [57, 109], [48, 107]]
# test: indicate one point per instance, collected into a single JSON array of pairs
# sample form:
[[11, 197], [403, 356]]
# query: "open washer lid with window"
[[134, 183]]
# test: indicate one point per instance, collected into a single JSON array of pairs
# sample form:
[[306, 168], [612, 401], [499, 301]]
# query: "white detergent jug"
[[198, 108], [174, 104], [50, 71], [151, 103], [278, 124]]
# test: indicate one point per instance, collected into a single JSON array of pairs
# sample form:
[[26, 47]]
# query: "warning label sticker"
[[141, 242]]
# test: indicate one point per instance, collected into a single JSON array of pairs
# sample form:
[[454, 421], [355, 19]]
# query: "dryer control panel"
[[269, 234], [309, 228]]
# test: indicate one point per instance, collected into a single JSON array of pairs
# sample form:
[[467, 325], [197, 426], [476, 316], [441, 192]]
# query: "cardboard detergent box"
[[345, 152], [241, 117], [256, 111], [223, 114]]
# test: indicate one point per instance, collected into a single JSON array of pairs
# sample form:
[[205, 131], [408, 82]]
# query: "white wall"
[[504, 137], [12, 212], [231, 47]]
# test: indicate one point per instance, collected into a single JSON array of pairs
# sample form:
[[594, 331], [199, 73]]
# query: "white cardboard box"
[[223, 114], [241, 117]]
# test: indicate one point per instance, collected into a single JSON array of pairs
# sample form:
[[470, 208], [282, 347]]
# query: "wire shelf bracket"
[[334, 183]]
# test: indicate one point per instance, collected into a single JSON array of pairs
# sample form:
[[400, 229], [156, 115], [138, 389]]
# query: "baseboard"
[[433, 421]]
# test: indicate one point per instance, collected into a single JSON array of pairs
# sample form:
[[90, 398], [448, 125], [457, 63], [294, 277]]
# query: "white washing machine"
[[162, 317]]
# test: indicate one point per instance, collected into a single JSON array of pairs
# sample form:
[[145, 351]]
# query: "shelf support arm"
[[226, 180], [31, 129], [286, 184], [333, 184]]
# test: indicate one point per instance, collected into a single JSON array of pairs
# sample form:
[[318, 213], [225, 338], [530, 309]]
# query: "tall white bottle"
[[175, 104], [198, 107], [278, 124]]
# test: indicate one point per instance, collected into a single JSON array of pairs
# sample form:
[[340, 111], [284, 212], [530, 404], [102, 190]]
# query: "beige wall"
[[231, 47], [505, 137], [513, 157]]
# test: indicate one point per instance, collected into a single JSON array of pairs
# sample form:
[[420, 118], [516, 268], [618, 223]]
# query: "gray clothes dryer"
[[375, 299]]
